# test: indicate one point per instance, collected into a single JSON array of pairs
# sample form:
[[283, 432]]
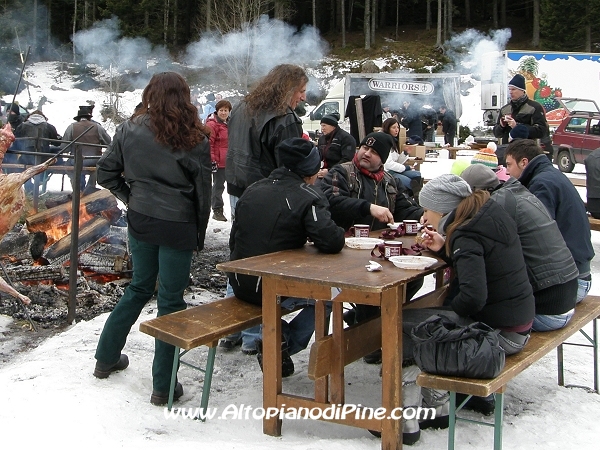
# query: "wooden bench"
[[202, 325], [539, 345], [594, 224]]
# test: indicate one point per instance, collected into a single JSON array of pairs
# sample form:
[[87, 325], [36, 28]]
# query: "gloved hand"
[[214, 167]]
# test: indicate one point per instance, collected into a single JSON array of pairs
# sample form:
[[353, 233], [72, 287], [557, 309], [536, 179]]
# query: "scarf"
[[377, 176]]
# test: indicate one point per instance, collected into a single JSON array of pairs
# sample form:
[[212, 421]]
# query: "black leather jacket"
[[156, 180]]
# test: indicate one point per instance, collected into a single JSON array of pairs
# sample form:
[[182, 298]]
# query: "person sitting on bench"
[[551, 268], [483, 247], [280, 213]]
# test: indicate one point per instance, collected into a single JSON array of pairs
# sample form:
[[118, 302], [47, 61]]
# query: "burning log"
[[36, 273], [101, 203], [105, 258], [90, 233]]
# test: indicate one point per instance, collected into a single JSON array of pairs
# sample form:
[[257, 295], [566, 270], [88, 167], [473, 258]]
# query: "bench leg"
[[596, 344], [452, 421], [498, 420], [559, 359], [208, 373], [173, 378]]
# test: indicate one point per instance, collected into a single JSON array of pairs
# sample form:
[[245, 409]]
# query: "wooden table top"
[[344, 270]]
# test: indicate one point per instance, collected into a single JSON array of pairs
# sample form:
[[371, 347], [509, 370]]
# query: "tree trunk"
[[208, 13], [314, 13], [427, 19], [34, 30], [174, 22], [495, 14], [350, 13], [450, 10], [467, 13], [367, 24], [343, 20], [332, 15], [503, 13], [397, 18], [165, 21], [373, 20], [535, 41], [74, 27], [438, 42]]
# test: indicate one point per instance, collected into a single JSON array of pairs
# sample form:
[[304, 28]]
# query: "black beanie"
[[518, 81], [15, 108], [300, 156], [331, 119], [381, 142]]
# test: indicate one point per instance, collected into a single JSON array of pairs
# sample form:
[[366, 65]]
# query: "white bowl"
[[394, 226], [413, 262], [363, 243]]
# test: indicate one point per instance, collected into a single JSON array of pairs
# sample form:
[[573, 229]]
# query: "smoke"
[[246, 55], [466, 49], [103, 45]]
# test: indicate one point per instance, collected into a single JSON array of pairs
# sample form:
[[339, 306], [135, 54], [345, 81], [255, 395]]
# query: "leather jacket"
[[157, 180]]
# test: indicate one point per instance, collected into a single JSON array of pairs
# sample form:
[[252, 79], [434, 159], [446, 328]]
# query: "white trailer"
[[548, 76]]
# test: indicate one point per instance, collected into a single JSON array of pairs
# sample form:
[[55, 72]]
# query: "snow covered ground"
[[49, 396]]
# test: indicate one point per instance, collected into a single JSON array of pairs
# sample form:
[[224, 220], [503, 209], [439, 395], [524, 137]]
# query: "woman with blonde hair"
[[159, 166]]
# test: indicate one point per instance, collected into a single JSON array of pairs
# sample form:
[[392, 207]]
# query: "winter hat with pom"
[[487, 157]]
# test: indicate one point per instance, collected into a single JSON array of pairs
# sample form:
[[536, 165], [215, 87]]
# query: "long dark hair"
[[275, 90], [173, 118], [465, 211], [387, 124]]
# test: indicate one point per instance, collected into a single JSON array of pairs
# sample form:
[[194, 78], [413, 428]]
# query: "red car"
[[578, 135]]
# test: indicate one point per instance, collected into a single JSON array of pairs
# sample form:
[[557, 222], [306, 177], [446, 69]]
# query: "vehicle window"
[[324, 109], [595, 127], [577, 125]]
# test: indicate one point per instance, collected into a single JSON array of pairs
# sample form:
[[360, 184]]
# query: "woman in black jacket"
[[159, 165], [483, 247]]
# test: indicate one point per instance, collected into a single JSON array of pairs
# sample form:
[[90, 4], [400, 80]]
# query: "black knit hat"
[[518, 81], [381, 142], [15, 108], [300, 156], [331, 119]]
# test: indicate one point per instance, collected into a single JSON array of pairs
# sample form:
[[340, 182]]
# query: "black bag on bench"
[[443, 347]]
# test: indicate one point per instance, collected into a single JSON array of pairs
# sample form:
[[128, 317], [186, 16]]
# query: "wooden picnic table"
[[307, 273]]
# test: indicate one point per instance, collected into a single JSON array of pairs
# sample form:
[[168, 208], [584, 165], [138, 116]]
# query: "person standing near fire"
[[159, 166], [217, 122], [96, 136]]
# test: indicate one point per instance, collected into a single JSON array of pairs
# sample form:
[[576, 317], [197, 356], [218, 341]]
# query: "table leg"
[[337, 375], [271, 334], [391, 345], [321, 329]]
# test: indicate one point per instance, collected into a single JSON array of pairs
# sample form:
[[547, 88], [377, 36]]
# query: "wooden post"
[[360, 119]]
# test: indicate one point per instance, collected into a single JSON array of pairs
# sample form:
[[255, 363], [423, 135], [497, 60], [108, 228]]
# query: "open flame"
[[59, 229]]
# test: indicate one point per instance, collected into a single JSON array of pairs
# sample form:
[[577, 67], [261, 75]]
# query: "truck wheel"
[[564, 162]]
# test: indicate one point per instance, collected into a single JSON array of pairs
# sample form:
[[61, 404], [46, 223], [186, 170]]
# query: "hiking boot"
[[162, 398], [218, 215], [249, 349], [483, 405], [373, 358], [228, 344], [440, 400], [287, 365], [104, 370]]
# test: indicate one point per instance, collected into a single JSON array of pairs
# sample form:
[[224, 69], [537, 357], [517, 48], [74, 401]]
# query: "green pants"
[[172, 267]]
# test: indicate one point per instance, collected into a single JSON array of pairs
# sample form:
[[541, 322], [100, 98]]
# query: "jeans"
[[217, 189], [172, 268], [550, 322], [406, 176], [583, 288]]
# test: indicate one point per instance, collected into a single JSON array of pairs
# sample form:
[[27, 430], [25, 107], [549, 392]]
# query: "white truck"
[[421, 89], [548, 76]]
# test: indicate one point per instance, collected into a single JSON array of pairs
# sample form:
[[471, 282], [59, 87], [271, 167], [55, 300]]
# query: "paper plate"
[[413, 262], [362, 243]]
